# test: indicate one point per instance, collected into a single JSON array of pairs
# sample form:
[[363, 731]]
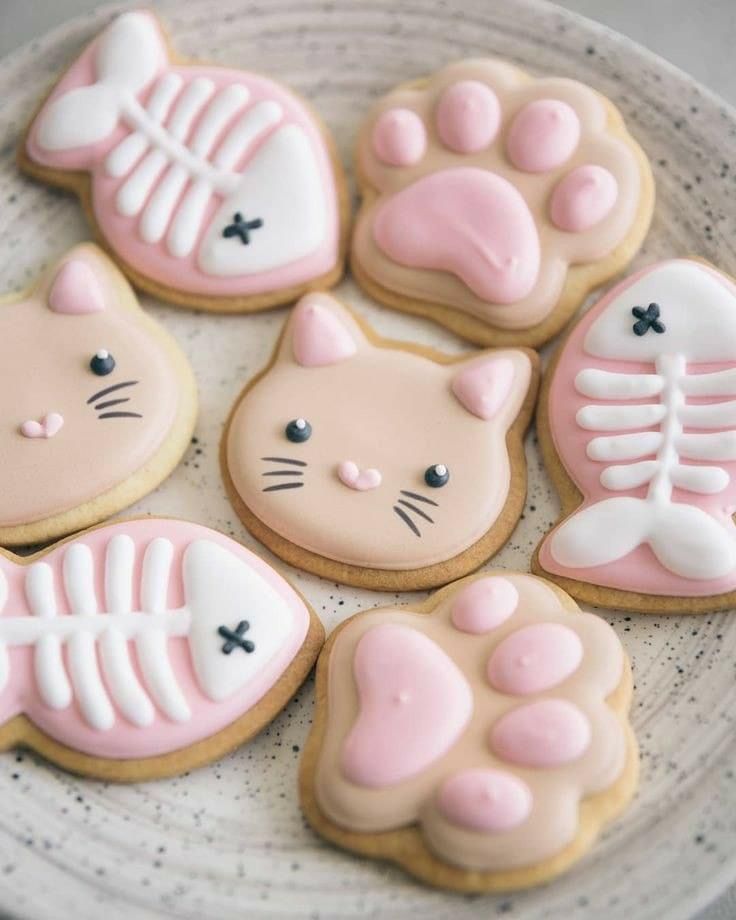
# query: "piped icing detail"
[[534, 659], [484, 605], [468, 116], [490, 801], [399, 137], [543, 135]]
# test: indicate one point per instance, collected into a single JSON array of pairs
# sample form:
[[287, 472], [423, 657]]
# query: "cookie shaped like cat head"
[[98, 404], [377, 462]]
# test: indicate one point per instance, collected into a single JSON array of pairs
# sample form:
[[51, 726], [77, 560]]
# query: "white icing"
[[220, 588], [699, 315]]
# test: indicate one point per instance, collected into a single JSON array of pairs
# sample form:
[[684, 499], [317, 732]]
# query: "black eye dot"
[[102, 363], [298, 430], [437, 475]]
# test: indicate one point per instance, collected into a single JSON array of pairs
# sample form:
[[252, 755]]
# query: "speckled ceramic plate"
[[228, 841]]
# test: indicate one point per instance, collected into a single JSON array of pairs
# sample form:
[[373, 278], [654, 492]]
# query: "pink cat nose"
[[355, 478], [45, 427]]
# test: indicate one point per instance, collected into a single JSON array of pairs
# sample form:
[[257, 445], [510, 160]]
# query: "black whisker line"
[[283, 485], [283, 473], [284, 460], [414, 508], [419, 498], [112, 389], [111, 402], [120, 415], [407, 520]]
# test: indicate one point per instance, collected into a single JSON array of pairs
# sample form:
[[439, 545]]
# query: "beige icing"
[[383, 408], [556, 792], [560, 250], [45, 359]]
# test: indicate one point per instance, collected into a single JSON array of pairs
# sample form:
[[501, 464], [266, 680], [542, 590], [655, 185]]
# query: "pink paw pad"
[[399, 137], [546, 733], [484, 605], [543, 135], [485, 800], [583, 198], [534, 658], [468, 116]]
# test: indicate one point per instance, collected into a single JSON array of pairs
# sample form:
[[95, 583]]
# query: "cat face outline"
[[98, 393], [372, 453]]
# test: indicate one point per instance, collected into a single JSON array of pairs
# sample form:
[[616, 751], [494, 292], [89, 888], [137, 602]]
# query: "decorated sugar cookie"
[[379, 463], [637, 423], [493, 202], [480, 739], [103, 406], [213, 188], [146, 648]]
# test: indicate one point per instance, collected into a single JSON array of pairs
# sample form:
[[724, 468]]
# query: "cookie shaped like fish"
[[214, 187], [146, 647], [641, 412]]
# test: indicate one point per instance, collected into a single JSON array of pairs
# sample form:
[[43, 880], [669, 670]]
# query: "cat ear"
[[76, 289], [484, 385], [320, 332]]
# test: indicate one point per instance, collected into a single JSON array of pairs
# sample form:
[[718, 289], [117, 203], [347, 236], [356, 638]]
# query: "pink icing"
[[583, 198], [543, 135], [484, 386], [485, 800], [414, 704], [399, 137], [546, 733], [47, 427], [534, 659], [354, 478], [154, 260], [76, 290], [467, 221], [125, 741], [318, 336], [468, 116], [484, 605]]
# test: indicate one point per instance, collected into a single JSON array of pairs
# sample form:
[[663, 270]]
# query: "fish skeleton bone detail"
[[662, 422], [87, 654]]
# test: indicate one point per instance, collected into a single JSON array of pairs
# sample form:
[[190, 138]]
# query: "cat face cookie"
[[480, 739], [493, 202], [213, 188], [637, 425], [146, 648], [103, 406], [378, 463]]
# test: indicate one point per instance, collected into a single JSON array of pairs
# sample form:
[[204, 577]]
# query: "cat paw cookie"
[[379, 463], [213, 188], [480, 740], [146, 648], [494, 202], [637, 424], [103, 405]]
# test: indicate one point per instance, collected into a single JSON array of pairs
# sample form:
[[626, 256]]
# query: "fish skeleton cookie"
[[638, 426], [480, 739], [145, 648], [213, 188], [100, 403], [379, 463], [494, 202]]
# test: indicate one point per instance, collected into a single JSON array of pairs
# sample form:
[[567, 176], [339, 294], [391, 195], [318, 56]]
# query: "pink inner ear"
[[76, 290], [483, 386], [319, 337]]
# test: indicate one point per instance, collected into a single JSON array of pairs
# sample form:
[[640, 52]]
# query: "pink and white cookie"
[[99, 403], [480, 740], [494, 202], [213, 188], [638, 426], [146, 648]]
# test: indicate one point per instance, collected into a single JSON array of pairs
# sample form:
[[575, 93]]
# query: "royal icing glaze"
[[406, 462], [641, 419], [520, 180], [205, 180], [143, 637], [491, 780], [70, 435]]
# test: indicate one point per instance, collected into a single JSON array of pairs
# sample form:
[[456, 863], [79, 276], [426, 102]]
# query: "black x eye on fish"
[[241, 227], [647, 319]]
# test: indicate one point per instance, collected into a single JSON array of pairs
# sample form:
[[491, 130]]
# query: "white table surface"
[[699, 36]]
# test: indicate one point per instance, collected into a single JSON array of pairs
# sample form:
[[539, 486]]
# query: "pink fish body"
[[206, 180], [642, 412], [142, 638]]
